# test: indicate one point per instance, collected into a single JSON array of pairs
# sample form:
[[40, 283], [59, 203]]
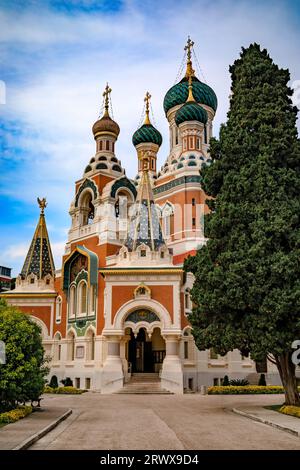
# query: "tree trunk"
[[286, 371]]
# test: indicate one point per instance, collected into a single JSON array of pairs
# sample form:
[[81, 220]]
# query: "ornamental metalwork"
[[142, 315]]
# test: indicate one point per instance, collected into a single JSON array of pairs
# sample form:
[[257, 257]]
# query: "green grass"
[[273, 407]]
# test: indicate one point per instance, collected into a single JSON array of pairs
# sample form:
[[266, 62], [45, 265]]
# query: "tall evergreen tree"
[[247, 276]]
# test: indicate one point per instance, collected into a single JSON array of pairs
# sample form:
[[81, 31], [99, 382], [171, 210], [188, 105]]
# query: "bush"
[[262, 380], [244, 390], [238, 382], [67, 382], [290, 410], [22, 377], [225, 381], [53, 382], [14, 415], [64, 390]]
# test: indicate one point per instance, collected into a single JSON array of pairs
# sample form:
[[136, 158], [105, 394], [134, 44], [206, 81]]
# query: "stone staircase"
[[144, 384]]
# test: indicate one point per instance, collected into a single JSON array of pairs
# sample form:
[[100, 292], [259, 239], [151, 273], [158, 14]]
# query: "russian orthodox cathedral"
[[120, 303]]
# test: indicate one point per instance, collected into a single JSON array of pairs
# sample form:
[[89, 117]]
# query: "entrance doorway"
[[146, 355]]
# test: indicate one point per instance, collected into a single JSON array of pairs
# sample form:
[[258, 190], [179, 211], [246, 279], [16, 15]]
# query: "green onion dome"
[[191, 111], [147, 133], [178, 94]]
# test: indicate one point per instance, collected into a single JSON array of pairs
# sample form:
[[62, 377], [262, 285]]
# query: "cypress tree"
[[247, 276]]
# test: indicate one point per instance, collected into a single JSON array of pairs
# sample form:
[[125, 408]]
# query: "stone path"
[[121, 422]]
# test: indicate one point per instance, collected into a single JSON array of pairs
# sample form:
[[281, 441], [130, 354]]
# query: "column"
[[112, 374], [172, 373]]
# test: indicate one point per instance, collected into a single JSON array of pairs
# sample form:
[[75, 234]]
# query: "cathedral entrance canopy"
[[80, 258]]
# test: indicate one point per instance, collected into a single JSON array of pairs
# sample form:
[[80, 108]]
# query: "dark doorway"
[[140, 353]]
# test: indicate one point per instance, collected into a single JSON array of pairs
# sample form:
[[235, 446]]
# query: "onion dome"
[[106, 124], [147, 132], [178, 94], [191, 111]]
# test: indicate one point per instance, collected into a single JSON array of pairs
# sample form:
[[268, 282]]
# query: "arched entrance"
[[146, 351]]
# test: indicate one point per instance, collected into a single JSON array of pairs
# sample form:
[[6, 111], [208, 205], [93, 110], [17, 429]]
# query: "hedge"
[[244, 390], [290, 410], [64, 390], [14, 415]]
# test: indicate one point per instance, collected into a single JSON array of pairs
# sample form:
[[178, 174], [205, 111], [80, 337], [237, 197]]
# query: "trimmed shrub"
[[225, 381], [67, 382], [14, 415], [262, 380], [290, 410], [244, 390], [64, 390], [53, 382]]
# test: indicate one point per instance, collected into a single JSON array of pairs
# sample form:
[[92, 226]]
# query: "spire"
[[190, 72], [144, 227], [147, 101], [39, 259], [190, 95]]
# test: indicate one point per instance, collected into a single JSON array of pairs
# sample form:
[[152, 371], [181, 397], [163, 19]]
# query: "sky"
[[55, 59]]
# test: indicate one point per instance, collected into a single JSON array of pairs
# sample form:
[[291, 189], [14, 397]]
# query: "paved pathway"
[[15, 434], [162, 422]]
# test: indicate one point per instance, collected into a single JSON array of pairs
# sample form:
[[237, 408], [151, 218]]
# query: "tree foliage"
[[247, 276], [22, 376]]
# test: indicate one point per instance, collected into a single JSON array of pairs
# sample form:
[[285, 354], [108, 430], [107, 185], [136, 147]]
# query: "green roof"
[[191, 111], [178, 94], [147, 133]]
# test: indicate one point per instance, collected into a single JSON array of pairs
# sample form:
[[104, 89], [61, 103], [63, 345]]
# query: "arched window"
[[72, 301], [82, 298], [187, 300], [107, 145], [71, 346], [58, 309], [87, 208], [92, 301], [57, 347], [90, 351]]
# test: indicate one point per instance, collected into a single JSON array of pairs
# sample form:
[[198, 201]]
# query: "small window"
[[143, 253], [193, 221], [100, 145], [152, 163], [87, 383], [193, 201], [107, 145], [77, 382], [125, 255], [162, 254], [47, 282], [191, 384], [216, 381], [198, 143], [32, 280], [186, 350]]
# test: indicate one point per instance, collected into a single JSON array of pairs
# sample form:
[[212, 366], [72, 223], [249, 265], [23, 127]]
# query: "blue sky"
[[55, 59]]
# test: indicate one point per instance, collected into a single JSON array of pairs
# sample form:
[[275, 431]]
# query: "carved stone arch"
[[42, 325], [90, 329], [137, 304], [167, 209], [87, 184]]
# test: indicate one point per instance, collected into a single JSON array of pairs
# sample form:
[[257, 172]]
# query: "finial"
[[147, 101], [189, 66], [190, 95], [42, 204], [106, 94]]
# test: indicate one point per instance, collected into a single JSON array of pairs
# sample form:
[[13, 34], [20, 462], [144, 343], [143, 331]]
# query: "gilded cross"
[[188, 48], [147, 101], [106, 94]]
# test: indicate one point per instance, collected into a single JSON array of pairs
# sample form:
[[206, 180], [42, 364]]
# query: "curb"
[[35, 437], [265, 421]]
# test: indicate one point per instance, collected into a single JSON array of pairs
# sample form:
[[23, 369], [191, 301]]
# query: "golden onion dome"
[[106, 124]]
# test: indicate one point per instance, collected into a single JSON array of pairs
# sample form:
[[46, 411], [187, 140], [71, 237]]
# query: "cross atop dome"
[[106, 95], [190, 72], [147, 101]]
